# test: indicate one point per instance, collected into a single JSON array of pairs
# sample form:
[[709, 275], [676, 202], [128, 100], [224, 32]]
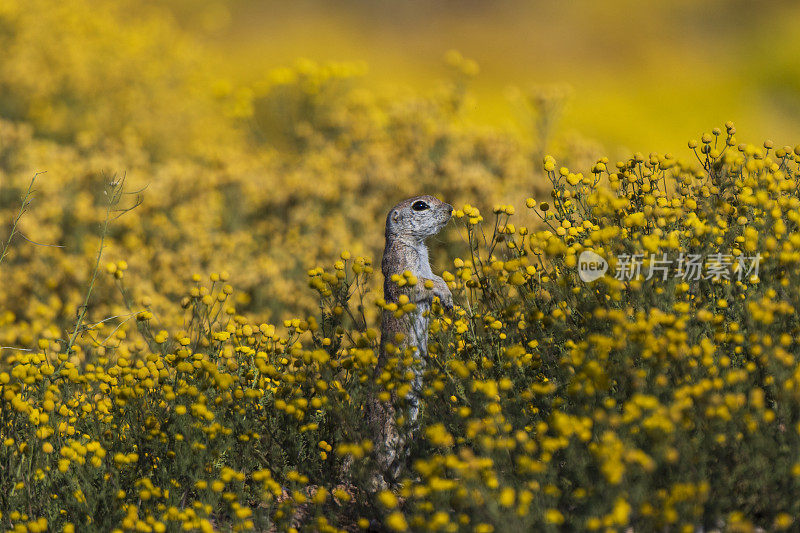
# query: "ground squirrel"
[[408, 224]]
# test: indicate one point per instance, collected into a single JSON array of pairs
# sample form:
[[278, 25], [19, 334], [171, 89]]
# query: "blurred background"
[[267, 136], [642, 75]]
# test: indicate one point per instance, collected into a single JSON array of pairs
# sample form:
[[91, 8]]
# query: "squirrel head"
[[418, 218]]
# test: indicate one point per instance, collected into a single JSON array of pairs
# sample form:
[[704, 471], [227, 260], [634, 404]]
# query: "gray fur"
[[406, 231]]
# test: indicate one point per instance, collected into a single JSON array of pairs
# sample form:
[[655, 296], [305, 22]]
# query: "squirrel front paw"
[[445, 297]]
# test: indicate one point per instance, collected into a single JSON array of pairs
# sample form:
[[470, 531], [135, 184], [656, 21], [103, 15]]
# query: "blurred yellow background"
[[269, 136], [644, 75]]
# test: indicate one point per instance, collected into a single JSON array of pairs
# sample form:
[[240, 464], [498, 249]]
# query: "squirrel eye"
[[419, 205]]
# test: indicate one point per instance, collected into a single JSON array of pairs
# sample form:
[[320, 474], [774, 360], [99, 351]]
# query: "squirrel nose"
[[450, 208]]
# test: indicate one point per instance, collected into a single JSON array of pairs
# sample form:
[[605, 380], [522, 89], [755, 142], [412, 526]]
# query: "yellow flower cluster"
[[548, 402]]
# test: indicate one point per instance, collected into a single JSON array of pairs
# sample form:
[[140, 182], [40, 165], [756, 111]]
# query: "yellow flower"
[[554, 516], [783, 521], [506, 498], [397, 522], [387, 499]]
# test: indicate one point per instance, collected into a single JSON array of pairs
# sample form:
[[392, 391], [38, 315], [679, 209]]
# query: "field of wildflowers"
[[189, 305]]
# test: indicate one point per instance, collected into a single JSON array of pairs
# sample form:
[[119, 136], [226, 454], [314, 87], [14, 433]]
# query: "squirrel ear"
[[395, 215]]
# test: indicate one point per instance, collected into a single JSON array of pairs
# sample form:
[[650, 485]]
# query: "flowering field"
[[189, 305]]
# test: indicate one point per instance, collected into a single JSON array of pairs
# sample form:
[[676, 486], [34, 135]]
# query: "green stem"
[[22, 209], [85, 306]]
